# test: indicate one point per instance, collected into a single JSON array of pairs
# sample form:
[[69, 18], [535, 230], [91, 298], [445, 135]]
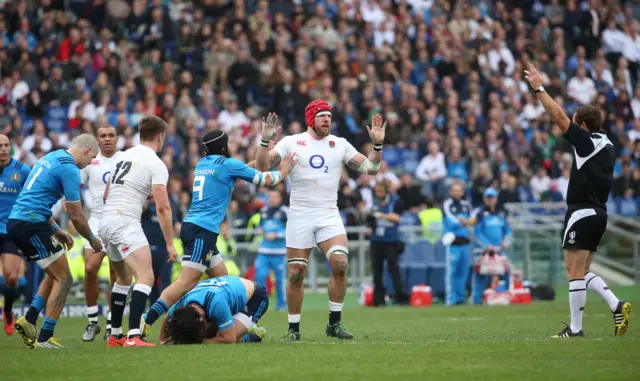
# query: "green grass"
[[392, 344]]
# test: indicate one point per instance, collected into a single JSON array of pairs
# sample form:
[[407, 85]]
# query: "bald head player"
[[314, 218]]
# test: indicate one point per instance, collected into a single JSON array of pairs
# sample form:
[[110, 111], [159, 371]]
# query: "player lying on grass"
[[215, 176], [232, 305]]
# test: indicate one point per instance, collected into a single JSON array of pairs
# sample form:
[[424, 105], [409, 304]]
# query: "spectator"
[[581, 88], [432, 171], [540, 183]]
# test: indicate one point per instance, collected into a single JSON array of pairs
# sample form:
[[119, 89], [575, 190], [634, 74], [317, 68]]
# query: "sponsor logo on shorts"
[[54, 241], [125, 249], [572, 237], [210, 255]]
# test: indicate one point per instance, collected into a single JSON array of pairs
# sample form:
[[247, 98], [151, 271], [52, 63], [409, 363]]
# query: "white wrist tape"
[[368, 166], [260, 179]]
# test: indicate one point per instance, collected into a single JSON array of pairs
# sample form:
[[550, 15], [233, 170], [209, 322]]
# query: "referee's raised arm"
[[554, 110]]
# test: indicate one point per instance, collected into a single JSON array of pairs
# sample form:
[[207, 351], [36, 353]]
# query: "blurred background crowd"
[[447, 75]]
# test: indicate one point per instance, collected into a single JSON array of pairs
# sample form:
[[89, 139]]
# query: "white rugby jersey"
[[316, 176], [94, 176], [131, 178]]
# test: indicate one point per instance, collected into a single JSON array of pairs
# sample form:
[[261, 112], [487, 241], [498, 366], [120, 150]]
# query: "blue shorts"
[[258, 304], [7, 246], [199, 245], [36, 241]]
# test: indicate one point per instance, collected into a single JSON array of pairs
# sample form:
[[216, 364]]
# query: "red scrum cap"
[[313, 109]]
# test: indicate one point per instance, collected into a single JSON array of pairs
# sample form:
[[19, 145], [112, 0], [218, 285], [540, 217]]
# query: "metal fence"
[[536, 247]]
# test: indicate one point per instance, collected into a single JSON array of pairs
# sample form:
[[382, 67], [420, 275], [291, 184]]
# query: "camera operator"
[[385, 243]]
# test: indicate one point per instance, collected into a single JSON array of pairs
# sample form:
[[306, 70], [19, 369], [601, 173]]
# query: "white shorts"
[[305, 229], [122, 236], [94, 225]]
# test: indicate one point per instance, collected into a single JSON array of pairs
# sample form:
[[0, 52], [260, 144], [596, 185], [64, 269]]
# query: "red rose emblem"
[[332, 144]]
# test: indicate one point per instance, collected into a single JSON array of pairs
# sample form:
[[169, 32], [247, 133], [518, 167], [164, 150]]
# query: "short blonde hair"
[[86, 141]]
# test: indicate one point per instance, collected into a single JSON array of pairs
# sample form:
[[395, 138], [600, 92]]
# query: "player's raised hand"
[[377, 129], [173, 254], [288, 163], [533, 76], [270, 127]]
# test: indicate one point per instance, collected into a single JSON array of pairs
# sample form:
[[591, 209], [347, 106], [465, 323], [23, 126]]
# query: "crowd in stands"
[[446, 75]]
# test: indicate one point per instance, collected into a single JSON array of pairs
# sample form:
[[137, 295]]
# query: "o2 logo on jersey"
[[317, 162], [105, 177]]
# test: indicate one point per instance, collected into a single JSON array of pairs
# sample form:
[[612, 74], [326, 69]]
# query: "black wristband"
[[264, 143], [377, 147]]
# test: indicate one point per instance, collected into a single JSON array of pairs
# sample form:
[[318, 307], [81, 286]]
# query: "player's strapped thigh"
[[36, 241], [583, 228], [256, 307], [298, 260], [337, 250], [199, 245]]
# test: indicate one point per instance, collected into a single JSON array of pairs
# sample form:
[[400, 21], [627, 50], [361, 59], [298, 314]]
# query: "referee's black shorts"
[[583, 227]]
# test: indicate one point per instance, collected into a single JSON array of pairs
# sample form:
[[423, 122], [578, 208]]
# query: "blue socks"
[[158, 309], [46, 332], [37, 305], [251, 338]]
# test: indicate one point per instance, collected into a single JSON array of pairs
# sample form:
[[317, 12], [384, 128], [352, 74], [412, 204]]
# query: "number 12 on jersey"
[[126, 167]]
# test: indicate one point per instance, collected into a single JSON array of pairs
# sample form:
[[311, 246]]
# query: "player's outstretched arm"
[[239, 170], [371, 164], [165, 217], [267, 158], [556, 113]]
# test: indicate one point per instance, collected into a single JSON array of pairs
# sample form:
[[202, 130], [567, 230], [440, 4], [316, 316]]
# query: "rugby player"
[[313, 217]]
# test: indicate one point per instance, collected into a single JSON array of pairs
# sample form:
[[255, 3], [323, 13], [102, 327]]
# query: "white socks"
[[294, 318], [335, 307], [597, 285], [92, 314], [577, 300]]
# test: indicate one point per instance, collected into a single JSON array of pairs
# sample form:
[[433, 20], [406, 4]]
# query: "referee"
[[585, 222]]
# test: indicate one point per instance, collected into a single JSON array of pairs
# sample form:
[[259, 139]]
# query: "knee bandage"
[[297, 261], [337, 250]]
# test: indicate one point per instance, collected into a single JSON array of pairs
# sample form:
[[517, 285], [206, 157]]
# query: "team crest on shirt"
[[15, 177], [332, 144]]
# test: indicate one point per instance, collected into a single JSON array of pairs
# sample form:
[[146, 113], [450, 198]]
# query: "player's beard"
[[322, 131]]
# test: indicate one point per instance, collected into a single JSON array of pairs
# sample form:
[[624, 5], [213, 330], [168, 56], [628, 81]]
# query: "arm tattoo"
[[354, 163], [274, 161]]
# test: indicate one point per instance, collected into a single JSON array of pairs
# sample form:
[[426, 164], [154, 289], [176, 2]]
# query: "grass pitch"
[[436, 343]]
